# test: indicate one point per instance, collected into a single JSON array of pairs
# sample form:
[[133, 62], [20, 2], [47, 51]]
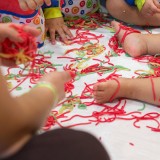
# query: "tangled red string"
[[83, 37], [153, 89], [21, 52], [153, 61], [91, 21]]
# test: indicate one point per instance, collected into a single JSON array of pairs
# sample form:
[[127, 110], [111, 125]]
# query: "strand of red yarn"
[[114, 42], [153, 89]]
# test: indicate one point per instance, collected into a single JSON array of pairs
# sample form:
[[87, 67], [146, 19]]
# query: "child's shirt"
[[79, 7]]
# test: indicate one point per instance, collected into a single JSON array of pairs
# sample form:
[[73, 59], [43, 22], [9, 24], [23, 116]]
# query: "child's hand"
[[57, 25], [7, 31], [150, 8], [58, 80], [32, 4]]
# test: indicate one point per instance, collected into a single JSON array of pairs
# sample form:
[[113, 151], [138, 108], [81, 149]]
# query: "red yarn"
[[116, 91], [114, 42], [153, 89], [21, 52], [72, 74]]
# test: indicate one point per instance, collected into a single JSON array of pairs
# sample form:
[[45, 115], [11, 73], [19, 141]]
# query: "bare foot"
[[106, 91], [134, 44]]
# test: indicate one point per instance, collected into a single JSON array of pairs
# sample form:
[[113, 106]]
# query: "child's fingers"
[[39, 2], [23, 5], [31, 4], [33, 31], [8, 32], [46, 29], [66, 76], [67, 31], [47, 2], [13, 35], [52, 35], [62, 34]]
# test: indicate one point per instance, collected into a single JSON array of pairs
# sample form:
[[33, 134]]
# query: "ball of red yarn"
[[20, 51]]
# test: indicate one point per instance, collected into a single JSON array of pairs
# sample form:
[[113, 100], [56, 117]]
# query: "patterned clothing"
[[79, 7], [71, 8], [10, 12]]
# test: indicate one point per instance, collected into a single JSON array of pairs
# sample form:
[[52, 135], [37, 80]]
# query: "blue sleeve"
[[54, 3], [130, 2]]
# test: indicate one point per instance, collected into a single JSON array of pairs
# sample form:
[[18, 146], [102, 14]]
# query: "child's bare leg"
[[133, 44], [122, 11], [137, 44], [138, 89]]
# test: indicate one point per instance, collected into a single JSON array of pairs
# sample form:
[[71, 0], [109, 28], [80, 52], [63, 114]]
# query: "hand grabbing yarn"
[[20, 52]]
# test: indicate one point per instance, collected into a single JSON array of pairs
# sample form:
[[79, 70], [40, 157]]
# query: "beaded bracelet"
[[48, 85]]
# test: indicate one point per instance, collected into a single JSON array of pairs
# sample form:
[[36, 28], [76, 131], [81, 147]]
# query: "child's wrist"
[[49, 86], [50, 13]]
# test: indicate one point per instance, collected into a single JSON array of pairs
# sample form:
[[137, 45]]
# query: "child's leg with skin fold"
[[122, 11]]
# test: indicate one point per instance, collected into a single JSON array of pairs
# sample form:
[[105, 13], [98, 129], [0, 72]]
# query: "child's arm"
[[21, 117], [33, 4]]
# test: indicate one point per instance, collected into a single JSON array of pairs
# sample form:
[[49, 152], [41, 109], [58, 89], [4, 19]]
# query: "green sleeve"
[[53, 12], [139, 4]]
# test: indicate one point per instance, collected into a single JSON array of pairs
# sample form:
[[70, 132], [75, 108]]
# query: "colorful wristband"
[[44, 84], [50, 13]]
